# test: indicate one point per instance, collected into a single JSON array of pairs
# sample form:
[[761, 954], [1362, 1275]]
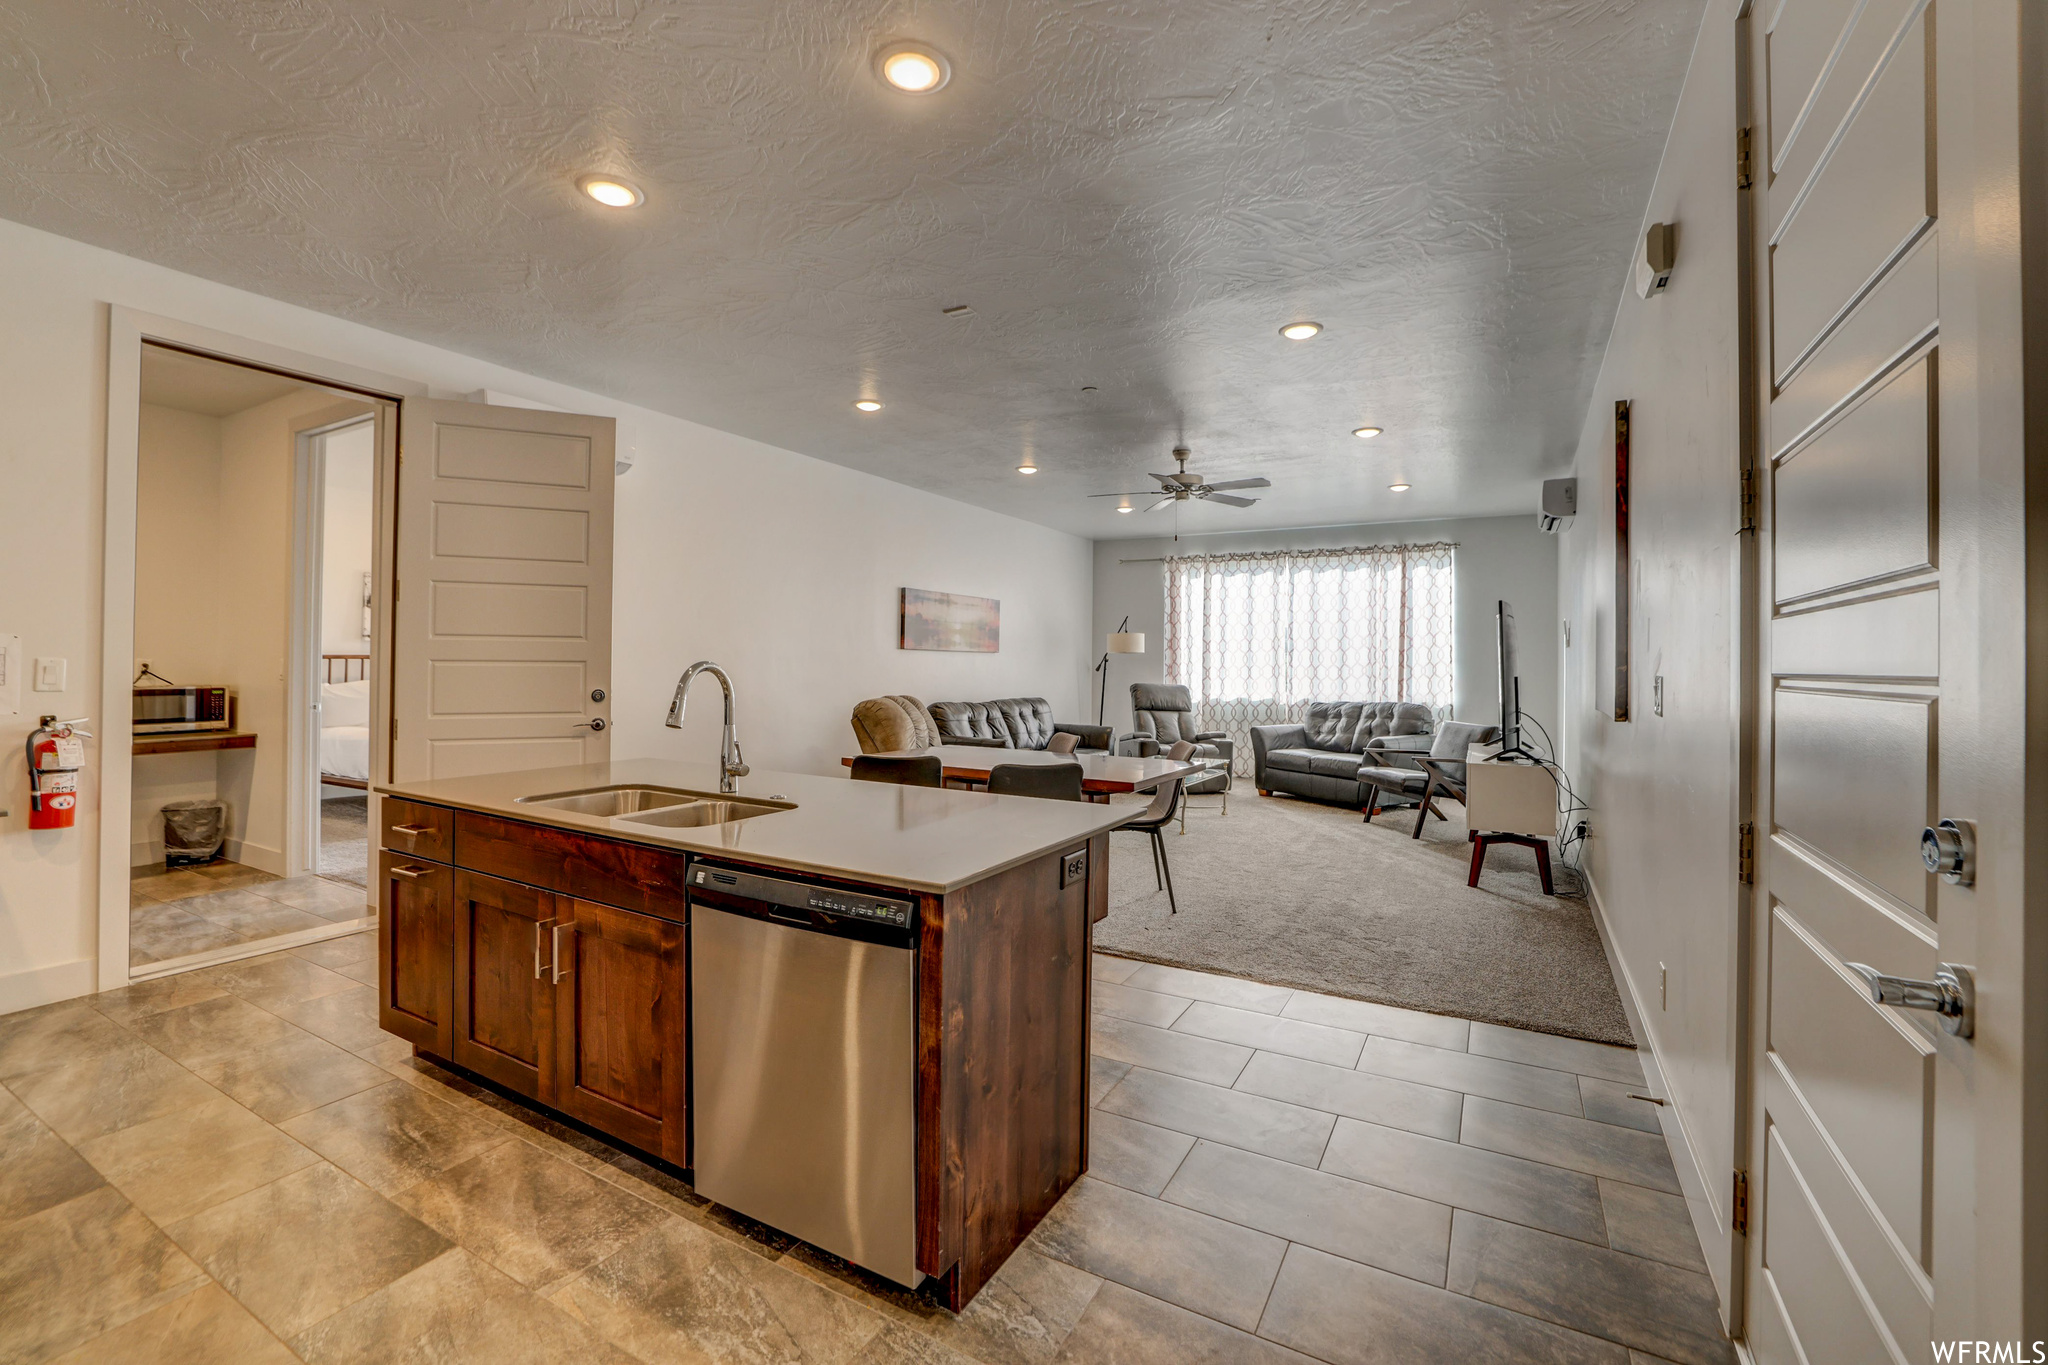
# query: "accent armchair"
[[1425, 776]]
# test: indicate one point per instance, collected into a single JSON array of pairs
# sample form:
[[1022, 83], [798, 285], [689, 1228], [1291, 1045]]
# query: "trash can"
[[194, 831]]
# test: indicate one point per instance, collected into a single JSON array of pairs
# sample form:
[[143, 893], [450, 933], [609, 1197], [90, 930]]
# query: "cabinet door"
[[504, 994], [622, 1025], [415, 950]]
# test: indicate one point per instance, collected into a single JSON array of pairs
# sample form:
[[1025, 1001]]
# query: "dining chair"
[[1063, 743], [1053, 781], [1161, 813], [921, 770]]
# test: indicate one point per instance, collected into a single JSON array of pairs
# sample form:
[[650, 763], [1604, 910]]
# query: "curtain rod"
[[1333, 550]]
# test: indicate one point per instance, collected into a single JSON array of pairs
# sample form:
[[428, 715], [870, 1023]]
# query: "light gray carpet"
[[345, 839], [1301, 894]]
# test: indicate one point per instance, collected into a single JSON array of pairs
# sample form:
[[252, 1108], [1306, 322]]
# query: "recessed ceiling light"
[[1027, 468], [1125, 508], [1397, 488], [1365, 433], [1300, 331], [611, 191], [866, 405], [913, 68]]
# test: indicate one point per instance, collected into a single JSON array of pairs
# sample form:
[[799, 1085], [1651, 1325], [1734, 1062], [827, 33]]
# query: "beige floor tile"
[[1540, 1195], [1351, 1314], [336, 953], [532, 1216], [1217, 1268], [393, 1136], [364, 973], [1271, 1033], [57, 1035], [74, 1271], [1354, 1094], [130, 1003], [1287, 1131], [1386, 1021], [1103, 1074], [1359, 1222], [105, 1094], [1140, 1007], [213, 1031], [1138, 1156], [38, 1169], [1610, 1063], [454, 1309], [290, 1076], [1602, 1149], [204, 1327], [177, 1165], [166, 886], [160, 933], [226, 905], [1222, 990], [346, 1018], [389, 1050], [1492, 1077], [277, 979], [330, 900], [1648, 1223], [1024, 1314], [896, 1344], [1124, 1327], [1643, 1304], [300, 1248], [138, 897], [681, 1292], [1158, 1049]]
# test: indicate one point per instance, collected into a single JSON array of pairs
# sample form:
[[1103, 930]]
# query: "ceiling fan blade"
[[1163, 502], [1141, 493], [1226, 498], [1240, 483]]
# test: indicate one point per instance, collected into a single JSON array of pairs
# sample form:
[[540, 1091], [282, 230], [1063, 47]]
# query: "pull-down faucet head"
[[731, 766]]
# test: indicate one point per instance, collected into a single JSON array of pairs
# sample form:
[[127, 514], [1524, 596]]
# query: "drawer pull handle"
[[555, 953], [538, 925], [411, 873], [412, 831]]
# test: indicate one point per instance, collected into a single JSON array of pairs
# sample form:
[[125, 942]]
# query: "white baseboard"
[[263, 859], [46, 985]]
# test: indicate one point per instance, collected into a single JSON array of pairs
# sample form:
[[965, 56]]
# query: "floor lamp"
[[1123, 641]]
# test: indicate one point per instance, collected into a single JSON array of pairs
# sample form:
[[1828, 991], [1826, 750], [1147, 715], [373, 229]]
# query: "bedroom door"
[[1882, 1195], [502, 605]]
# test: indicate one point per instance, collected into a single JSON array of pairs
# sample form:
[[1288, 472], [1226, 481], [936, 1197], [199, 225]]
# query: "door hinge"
[[1739, 1220], [1745, 175], [1745, 858], [1749, 499]]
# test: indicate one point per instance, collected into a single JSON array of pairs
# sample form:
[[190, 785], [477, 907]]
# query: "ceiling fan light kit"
[[1182, 487]]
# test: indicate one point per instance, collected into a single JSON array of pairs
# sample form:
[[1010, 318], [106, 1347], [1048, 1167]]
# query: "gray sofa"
[[1320, 757], [1010, 723]]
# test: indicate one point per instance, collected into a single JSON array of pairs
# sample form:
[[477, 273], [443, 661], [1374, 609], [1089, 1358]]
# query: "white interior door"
[[1865, 1238], [502, 641]]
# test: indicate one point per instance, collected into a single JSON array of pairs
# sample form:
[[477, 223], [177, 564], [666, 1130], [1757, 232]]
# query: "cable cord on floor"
[[1570, 843]]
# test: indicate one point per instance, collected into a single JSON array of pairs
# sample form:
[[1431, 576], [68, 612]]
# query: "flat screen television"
[[1510, 685]]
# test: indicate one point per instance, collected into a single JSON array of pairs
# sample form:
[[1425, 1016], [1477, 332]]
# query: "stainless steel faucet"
[[730, 765]]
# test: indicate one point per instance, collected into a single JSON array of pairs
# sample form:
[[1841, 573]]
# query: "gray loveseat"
[[1320, 757], [1010, 723]]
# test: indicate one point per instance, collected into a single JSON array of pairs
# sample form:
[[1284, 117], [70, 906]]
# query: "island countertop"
[[927, 839]]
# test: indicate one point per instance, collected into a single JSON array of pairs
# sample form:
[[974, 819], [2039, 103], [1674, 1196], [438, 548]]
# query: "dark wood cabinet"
[[415, 950], [622, 1025], [504, 991]]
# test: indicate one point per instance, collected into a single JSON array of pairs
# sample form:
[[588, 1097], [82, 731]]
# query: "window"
[[1255, 636]]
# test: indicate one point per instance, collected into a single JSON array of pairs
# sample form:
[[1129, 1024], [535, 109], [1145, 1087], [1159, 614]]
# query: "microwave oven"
[[166, 710]]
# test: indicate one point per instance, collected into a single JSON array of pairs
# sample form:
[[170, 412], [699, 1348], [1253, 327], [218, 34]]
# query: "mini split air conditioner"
[[1560, 505]]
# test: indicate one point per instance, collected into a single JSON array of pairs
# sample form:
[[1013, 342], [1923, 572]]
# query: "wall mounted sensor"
[[1560, 505], [1660, 253]]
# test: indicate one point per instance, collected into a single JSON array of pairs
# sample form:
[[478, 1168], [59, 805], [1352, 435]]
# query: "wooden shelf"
[[196, 743]]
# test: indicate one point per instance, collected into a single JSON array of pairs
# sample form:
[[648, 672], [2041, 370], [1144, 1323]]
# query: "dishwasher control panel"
[[804, 896]]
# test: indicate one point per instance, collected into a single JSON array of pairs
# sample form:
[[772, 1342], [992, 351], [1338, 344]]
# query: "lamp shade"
[[1127, 642]]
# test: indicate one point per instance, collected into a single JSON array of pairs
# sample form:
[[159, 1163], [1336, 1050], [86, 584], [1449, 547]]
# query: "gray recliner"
[[1163, 715]]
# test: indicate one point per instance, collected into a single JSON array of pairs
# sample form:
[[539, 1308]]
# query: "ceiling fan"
[[1179, 488]]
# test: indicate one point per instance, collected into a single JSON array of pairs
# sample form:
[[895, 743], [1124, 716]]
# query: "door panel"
[[503, 610], [504, 1000], [1898, 316], [1853, 781], [1815, 1290], [415, 950], [622, 1025], [1853, 53], [1896, 636]]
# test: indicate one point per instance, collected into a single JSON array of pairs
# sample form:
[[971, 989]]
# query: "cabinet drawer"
[[418, 831], [608, 871]]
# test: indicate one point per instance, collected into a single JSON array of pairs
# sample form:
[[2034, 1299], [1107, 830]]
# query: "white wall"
[[345, 538], [1498, 557], [782, 567], [1664, 788]]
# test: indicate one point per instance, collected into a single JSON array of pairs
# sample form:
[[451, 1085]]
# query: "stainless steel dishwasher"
[[803, 1015]]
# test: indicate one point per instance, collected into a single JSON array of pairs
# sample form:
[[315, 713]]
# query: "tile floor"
[[235, 1165], [176, 912]]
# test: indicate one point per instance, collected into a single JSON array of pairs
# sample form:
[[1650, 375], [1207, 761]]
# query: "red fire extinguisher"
[[56, 751]]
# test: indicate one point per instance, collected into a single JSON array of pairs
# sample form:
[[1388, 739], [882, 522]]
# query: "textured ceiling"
[[1130, 194]]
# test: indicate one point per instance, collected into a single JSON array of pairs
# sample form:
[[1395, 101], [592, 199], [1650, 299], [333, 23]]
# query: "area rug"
[[1302, 894], [345, 839]]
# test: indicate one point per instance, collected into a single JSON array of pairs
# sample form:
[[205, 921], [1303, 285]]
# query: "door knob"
[[1950, 850], [595, 724], [1952, 994]]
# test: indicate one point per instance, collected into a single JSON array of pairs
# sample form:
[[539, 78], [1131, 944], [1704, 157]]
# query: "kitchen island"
[[906, 968]]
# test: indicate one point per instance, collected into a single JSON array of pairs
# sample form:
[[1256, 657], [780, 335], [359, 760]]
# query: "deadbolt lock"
[[1950, 851], [597, 694]]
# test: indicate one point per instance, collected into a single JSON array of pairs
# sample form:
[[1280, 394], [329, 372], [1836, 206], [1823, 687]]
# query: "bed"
[[345, 721]]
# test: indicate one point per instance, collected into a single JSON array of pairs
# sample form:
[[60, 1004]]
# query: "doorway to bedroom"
[[340, 470]]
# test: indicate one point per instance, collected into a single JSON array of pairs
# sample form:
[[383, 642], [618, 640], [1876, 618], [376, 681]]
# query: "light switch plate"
[[10, 675], [50, 675]]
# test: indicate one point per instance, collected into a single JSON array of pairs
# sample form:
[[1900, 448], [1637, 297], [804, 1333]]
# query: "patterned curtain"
[[1254, 637]]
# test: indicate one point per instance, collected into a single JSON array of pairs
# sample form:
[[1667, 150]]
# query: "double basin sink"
[[667, 807]]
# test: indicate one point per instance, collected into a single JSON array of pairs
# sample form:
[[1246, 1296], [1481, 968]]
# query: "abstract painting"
[[950, 621]]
